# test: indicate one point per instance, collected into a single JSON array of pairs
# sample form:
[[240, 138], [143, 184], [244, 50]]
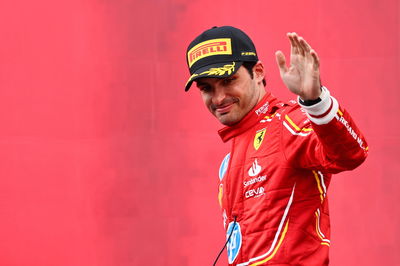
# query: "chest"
[[256, 165]]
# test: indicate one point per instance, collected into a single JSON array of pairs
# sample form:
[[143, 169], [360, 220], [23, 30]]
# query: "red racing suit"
[[273, 183]]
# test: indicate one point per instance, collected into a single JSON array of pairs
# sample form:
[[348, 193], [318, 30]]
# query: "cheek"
[[244, 91], [247, 95], [251, 89], [206, 99]]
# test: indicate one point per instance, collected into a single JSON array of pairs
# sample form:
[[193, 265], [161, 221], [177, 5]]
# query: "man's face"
[[229, 99]]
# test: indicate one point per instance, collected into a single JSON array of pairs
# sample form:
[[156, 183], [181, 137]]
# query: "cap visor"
[[218, 70]]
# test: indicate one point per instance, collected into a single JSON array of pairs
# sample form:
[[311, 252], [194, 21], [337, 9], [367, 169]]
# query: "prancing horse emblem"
[[258, 138]]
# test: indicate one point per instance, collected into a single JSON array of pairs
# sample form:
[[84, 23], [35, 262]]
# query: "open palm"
[[302, 76]]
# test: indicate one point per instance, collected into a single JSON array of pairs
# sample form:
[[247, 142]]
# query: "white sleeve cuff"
[[323, 112]]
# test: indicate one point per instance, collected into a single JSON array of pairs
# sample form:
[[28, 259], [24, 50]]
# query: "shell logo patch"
[[258, 138]]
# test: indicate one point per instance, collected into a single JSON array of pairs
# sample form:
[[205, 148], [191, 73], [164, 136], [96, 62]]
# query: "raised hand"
[[302, 77]]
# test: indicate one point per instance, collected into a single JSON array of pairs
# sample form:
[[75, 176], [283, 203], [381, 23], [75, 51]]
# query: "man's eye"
[[228, 81], [205, 88]]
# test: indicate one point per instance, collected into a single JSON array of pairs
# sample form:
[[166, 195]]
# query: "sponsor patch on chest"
[[255, 192], [254, 186], [258, 138]]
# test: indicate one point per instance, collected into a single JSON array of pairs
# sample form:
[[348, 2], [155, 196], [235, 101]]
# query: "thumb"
[[281, 61]]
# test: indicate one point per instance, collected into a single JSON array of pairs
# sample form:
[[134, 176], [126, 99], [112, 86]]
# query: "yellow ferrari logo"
[[258, 138]]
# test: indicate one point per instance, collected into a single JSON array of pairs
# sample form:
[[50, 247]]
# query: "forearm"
[[342, 142]]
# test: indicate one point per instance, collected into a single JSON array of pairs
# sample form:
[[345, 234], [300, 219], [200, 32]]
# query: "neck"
[[261, 92]]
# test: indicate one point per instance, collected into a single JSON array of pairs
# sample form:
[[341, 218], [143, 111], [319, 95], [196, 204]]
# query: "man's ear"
[[258, 71]]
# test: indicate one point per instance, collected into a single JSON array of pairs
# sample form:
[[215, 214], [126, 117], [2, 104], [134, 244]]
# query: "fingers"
[[315, 59], [281, 61], [293, 45], [304, 45], [298, 44]]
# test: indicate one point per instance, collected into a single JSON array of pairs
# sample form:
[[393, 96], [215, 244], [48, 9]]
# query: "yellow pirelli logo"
[[209, 48]]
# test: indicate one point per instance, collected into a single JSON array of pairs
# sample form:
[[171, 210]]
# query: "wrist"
[[323, 111], [312, 100]]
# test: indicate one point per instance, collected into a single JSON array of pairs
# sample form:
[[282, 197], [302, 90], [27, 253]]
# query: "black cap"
[[218, 53]]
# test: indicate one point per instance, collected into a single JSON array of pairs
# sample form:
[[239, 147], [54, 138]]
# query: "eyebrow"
[[199, 83]]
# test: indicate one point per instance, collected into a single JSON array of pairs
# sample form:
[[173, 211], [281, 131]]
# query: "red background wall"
[[104, 160]]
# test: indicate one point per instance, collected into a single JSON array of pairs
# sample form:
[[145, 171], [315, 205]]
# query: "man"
[[273, 183]]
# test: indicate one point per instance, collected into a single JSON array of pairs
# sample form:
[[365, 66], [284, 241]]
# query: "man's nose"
[[219, 95]]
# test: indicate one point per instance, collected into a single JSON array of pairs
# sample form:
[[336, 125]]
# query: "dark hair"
[[249, 66]]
